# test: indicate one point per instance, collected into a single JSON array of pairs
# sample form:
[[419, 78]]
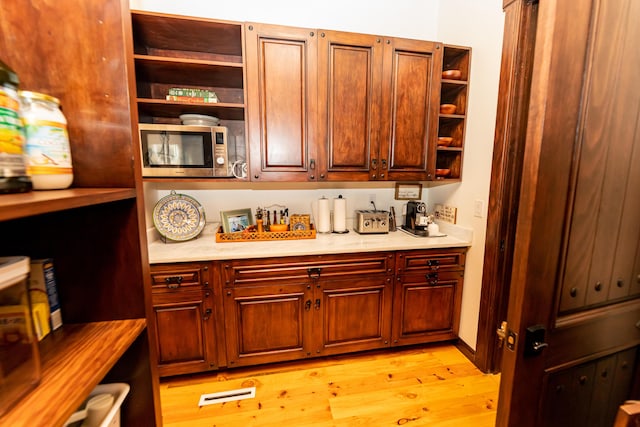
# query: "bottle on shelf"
[[13, 171]]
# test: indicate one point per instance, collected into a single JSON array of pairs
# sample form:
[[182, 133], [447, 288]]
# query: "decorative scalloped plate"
[[178, 217]]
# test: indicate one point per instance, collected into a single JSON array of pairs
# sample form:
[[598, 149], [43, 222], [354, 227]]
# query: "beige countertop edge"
[[205, 248]]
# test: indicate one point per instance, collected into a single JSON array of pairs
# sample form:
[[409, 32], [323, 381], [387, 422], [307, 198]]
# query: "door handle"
[[534, 340]]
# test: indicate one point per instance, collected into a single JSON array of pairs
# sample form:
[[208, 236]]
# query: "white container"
[[112, 418], [47, 149]]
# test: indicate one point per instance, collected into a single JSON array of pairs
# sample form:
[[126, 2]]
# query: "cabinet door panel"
[[266, 324], [425, 312], [282, 97], [350, 73], [186, 338], [412, 86], [355, 315]]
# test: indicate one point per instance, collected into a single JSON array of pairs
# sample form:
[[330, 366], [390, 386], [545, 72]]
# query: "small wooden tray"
[[249, 236]]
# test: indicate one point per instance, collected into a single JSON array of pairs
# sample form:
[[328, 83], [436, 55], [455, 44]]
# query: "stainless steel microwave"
[[183, 151]]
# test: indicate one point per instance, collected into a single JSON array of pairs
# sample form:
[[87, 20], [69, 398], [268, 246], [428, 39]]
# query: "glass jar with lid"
[[47, 150]]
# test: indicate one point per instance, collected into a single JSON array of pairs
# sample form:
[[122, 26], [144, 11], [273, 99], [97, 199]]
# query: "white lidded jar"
[[47, 150]]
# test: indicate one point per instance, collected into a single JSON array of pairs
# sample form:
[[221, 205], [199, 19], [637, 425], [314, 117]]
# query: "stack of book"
[[200, 96]]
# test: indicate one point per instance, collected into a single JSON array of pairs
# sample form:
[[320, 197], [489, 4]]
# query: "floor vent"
[[227, 396]]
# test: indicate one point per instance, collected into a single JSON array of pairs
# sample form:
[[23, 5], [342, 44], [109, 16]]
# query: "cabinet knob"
[[312, 34], [598, 286], [250, 27], [573, 292], [229, 293], [620, 283], [256, 176], [206, 268]]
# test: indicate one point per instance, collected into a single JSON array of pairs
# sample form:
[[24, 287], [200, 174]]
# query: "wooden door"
[[353, 314], [506, 172], [185, 331], [349, 90], [281, 75], [411, 88], [576, 264], [266, 324]]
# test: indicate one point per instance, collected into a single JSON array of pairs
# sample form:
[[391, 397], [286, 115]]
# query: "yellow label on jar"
[[11, 136]]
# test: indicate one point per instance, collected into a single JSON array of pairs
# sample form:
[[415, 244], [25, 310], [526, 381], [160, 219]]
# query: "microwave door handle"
[[165, 147]]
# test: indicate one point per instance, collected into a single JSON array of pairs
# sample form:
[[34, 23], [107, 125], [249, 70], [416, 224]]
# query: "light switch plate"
[[478, 208], [445, 213]]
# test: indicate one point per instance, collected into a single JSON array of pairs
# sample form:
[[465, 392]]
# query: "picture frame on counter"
[[408, 191], [236, 220]]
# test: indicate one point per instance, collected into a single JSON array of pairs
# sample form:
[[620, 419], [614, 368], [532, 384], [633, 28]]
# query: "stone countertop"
[[205, 247]]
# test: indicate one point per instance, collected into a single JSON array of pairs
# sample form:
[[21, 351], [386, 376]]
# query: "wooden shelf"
[[183, 34], [173, 109], [74, 360], [13, 206], [189, 72]]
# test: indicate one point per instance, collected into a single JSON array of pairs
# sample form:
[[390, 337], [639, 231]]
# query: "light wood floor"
[[435, 386]]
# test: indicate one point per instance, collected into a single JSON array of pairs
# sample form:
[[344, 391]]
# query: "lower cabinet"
[[270, 323], [427, 297], [184, 310], [289, 308], [353, 314], [265, 310]]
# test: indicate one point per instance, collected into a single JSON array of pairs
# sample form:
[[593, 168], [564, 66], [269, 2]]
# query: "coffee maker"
[[416, 220]]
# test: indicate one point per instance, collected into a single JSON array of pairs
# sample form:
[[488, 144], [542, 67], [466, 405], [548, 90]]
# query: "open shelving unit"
[[190, 52], [453, 91], [95, 230]]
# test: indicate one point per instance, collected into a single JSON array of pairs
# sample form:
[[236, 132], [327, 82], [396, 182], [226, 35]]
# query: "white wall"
[[478, 24], [475, 23]]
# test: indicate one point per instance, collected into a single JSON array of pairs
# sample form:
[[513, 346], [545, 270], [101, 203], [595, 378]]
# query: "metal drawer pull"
[[314, 273], [173, 282]]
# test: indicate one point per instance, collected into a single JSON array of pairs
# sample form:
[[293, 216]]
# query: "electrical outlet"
[[478, 208]]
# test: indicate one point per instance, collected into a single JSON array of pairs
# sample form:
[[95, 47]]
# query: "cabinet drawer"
[[170, 277], [297, 269], [431, 260]]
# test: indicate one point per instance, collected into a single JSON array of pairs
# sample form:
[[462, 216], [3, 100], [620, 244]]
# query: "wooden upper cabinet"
[[349, 95], [377, 104], [410, 94], [281, 72]]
